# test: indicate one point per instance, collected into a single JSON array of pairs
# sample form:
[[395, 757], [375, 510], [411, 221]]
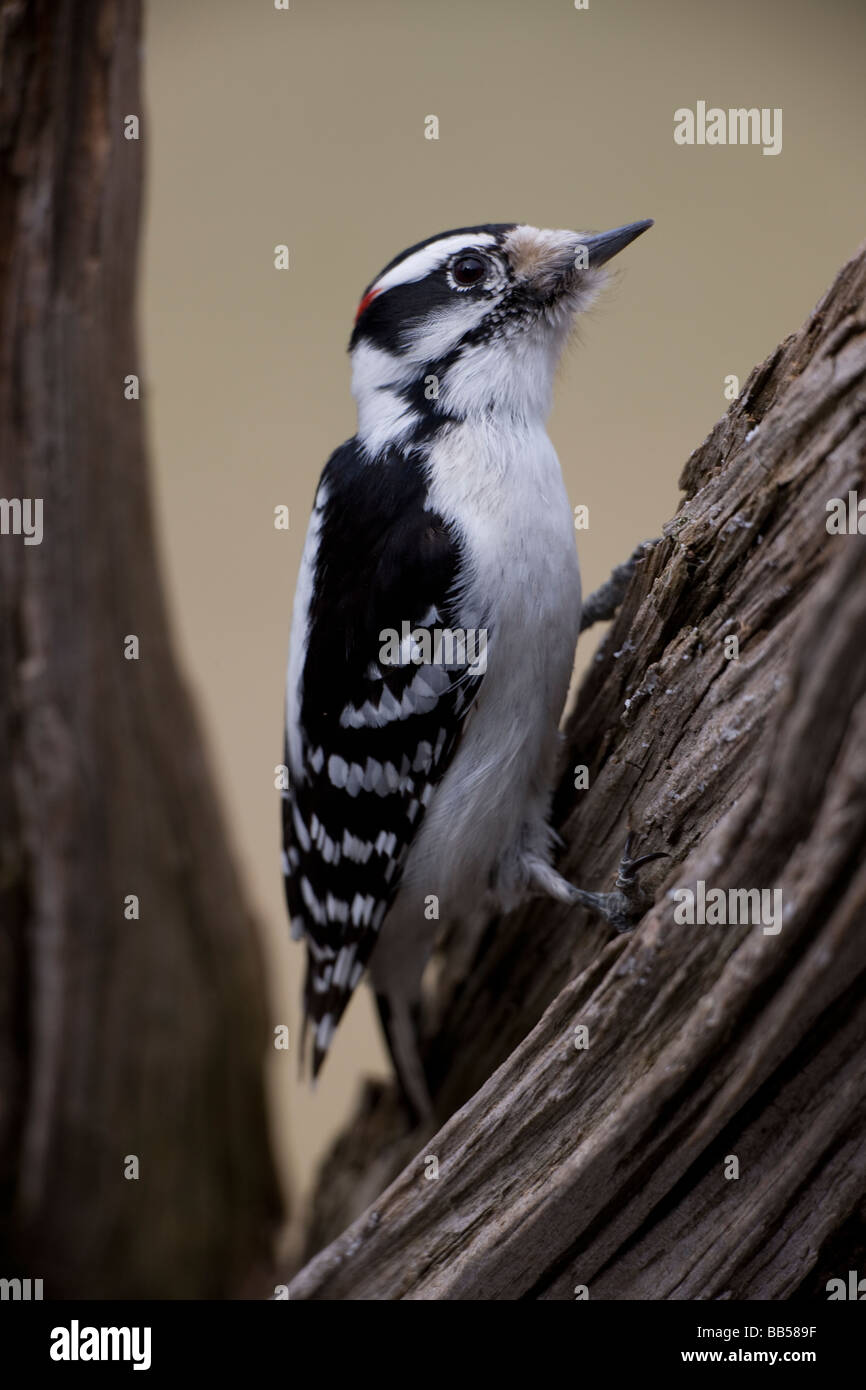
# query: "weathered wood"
[[117, 1037], [605, 1167]]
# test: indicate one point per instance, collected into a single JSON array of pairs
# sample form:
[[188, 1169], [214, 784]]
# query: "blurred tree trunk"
[[120, 1037], [708, 1140]]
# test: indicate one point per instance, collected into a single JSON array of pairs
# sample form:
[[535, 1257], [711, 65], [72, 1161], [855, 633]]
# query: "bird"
[[434, 626]]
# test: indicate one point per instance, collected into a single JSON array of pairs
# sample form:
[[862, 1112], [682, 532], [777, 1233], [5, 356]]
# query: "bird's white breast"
[[499, 484]]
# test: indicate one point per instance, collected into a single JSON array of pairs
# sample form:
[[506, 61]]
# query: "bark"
[[610, 1166], [118, 1037]]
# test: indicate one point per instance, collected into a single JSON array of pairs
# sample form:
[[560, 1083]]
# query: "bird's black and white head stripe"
[[488, 341]]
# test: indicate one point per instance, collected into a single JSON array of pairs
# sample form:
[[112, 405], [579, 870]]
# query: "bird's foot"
[[602, 604], [623, 908]]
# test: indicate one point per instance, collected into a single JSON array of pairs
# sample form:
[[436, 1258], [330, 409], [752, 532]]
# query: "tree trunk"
[[122, 1037], [705, 1137]]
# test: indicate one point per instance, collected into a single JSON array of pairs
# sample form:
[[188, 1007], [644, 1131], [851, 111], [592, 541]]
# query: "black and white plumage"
[[429, 779]]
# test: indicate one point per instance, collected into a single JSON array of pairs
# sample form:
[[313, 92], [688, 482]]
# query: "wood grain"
[[117, 1037]]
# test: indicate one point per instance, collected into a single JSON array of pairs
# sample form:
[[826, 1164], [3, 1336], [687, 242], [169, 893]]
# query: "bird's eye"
[[469, 269]]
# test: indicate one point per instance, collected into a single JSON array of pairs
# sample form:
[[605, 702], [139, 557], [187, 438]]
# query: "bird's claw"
[[630, 868], [624, 907]]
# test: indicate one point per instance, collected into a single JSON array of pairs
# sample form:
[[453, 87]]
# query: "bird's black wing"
[[367, 739]]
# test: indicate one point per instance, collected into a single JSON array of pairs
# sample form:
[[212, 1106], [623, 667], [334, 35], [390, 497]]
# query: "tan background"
[[307, 127]]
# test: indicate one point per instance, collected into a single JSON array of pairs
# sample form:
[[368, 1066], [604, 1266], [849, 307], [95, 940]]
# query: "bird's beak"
[[602, 246]]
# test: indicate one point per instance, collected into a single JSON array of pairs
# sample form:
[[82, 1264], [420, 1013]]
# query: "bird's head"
[[471, 323]]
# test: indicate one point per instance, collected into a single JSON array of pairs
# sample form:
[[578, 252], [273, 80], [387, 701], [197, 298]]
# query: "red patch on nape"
[[368, 299]]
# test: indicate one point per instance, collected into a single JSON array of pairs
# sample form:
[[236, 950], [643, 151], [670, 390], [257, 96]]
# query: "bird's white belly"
[[492, 805]]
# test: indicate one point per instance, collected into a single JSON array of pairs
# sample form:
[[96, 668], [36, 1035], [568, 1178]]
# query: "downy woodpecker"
[[435, 621]]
